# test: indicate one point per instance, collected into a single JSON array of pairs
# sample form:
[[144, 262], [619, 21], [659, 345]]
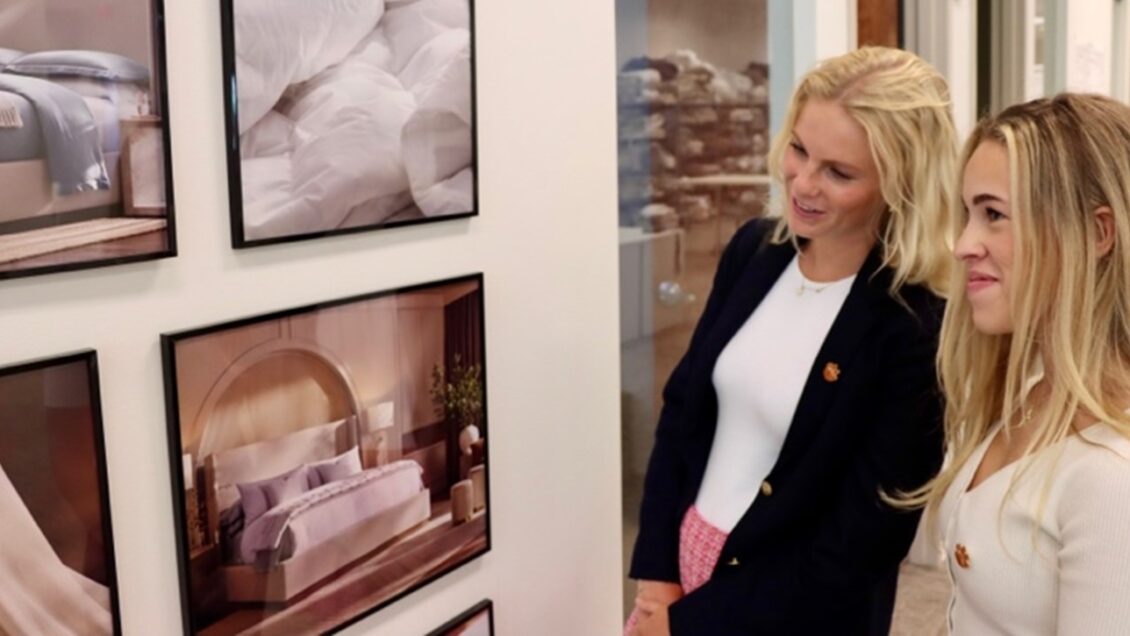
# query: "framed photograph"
[[57, 550], [347, 116], [85, 166], [477, 621], [328, 459]]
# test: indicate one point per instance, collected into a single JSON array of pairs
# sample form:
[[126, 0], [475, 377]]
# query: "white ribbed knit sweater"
[[1074, 579]]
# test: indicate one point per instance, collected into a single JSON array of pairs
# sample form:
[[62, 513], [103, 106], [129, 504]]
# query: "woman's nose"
[[804, 183], [968, 245]]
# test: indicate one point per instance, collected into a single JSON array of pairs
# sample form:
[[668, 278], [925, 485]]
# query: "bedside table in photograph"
[[204, 574], [143, 166]]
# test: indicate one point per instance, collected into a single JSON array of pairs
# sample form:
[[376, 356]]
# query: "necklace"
[[805, 287]]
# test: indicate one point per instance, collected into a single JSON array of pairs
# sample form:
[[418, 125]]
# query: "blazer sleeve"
[[859, 540], [655, 556]]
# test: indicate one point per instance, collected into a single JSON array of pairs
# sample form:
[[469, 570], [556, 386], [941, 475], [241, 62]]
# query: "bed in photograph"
[[61, 136], [351, 114], [292, 510]]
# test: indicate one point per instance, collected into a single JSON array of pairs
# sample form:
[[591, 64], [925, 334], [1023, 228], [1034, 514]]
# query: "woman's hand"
[[652, 595], [654, 624], [652, 599]]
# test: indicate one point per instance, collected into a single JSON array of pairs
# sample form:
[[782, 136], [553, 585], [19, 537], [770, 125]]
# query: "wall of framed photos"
[[544, 242]]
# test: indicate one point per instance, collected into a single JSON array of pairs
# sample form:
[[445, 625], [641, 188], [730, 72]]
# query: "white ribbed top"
[[1075, 577], [759, 377]]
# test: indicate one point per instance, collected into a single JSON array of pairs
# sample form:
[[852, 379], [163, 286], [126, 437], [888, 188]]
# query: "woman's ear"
[[1104, 217]]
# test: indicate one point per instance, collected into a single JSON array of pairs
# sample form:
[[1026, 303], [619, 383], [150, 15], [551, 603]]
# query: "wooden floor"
[[151, 243], [420, 554]]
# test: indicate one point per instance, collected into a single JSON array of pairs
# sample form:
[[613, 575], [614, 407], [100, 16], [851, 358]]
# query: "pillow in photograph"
[[286, 487], [335, 469], [78, 63], [256, 499], [253, 501], [436, 140], [7, 55], [410, 25], [284, 42]]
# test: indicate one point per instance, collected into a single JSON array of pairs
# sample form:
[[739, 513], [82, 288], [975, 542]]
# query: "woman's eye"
[[839, 174], [798, 148], [994, 215]]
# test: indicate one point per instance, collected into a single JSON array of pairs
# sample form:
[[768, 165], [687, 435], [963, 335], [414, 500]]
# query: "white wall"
[[546, 241]]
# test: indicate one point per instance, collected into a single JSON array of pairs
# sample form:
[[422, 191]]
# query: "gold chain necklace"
[[804, 287]]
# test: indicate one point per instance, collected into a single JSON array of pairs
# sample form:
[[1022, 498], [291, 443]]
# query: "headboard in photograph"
[[263, 460], [275, 388], [278, 405]]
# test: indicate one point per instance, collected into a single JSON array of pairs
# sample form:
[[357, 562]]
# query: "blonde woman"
[[1034, 509], [809, 385]]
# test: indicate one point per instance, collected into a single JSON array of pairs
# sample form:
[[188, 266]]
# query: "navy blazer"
[[817, 552]]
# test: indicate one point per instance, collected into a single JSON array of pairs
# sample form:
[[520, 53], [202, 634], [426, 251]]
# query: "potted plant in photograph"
[[460, 398]]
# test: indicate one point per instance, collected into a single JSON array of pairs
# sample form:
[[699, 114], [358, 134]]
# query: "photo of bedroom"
[[477, 621], [328, 459], [346, 116], [84, 162], [56, 552]]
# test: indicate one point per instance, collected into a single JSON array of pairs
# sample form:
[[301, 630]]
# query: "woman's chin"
[[799, 228]]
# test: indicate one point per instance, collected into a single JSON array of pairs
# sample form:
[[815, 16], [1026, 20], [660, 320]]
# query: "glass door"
[[693, 106]]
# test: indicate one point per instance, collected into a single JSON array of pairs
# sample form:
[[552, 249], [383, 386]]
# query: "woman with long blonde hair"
[[1034, 506], [809, 385]]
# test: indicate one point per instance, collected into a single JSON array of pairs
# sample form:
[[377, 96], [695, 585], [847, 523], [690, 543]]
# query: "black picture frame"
[[63, 439], [465, 618], [128, 216], [327, 373], [245, 235]]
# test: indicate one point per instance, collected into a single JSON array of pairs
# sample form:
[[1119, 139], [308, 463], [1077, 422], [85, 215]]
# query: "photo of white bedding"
[[315, 516], [350, 114]]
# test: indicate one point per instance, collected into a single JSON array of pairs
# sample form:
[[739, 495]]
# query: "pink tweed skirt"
[[700, 545]]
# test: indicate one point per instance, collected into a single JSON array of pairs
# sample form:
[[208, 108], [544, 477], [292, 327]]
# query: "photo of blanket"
[[348, 115], [323, 473], [56, 553], [83, 135]]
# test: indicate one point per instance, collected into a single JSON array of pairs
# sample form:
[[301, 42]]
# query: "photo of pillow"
[[252, 500], [335, 469], [95, 64], [285, 487], [257, 497]]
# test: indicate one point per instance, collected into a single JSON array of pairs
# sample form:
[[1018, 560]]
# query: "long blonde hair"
[[904, 106], [1070, 305]]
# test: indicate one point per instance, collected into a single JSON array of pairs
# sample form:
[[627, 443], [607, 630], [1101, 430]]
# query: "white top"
[[759, 377], [1075, 577]]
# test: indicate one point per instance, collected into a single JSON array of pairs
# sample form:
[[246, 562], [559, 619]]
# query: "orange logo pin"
[[961, 555], [831, 372]]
